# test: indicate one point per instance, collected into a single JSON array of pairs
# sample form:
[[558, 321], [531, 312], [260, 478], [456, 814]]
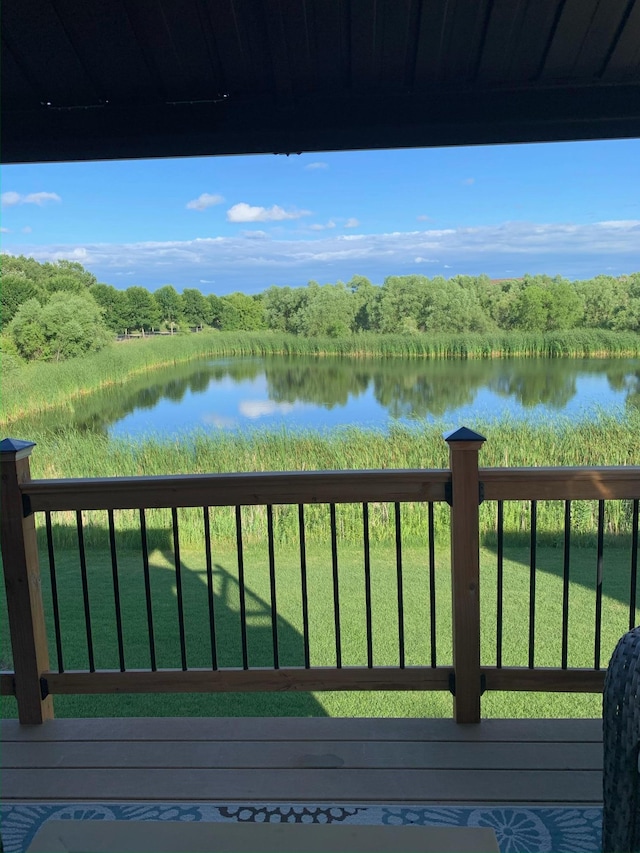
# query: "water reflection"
[[325, 392]]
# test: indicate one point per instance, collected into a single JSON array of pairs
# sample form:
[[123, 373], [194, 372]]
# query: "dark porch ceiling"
[[103, 79]]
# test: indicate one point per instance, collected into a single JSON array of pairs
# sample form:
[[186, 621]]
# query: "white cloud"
[[352, 223], [318, 165], [242, 261], [424, 218], [420, 260], [27, 229], [41, 198], [259, 408], [243, 212], [317, 227], [207, 281], [4, 230], [204, 201], [219, 421], [11, 198]]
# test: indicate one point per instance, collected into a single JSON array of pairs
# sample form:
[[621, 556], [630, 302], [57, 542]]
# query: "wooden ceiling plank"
[[156, 40], [43, 49], [574, 23], [499, 45], [363, 34], [296, 24], [279, 54], [397, 44], [431, 38], [251, 27], [465, 39], [623, 62], [108, 48], [184, 27], [230, 48], [600, 38], [530, 43], [331, 45], [18, 89]]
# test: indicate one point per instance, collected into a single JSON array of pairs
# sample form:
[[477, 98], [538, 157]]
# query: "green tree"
[[114, 306], [169, 305], [330, 311], [284, 308], [242, 312], [195, 307], [531, 309], [68, 325], [140, 310], [402, 302], [367, 304], [16, 289]]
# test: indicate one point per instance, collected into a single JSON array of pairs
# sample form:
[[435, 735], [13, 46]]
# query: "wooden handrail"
[[227, 680], [297, 487], [546, 679], [511, 484]]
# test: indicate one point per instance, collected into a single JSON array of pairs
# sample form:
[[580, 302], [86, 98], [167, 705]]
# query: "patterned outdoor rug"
[[518, 829]]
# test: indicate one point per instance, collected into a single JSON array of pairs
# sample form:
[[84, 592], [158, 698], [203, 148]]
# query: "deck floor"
[[295, 760]]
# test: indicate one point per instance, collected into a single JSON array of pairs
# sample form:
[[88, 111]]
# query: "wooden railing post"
[[23, 586], [464, 498]]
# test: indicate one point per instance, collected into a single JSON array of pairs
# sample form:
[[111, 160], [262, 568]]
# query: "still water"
[[322, 393]]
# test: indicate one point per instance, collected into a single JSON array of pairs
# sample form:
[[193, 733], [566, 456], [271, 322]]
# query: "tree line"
[[59, 310]]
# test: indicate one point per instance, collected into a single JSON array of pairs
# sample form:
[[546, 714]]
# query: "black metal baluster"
[[272, 584], [367, 583], [432, 585], [54, 591], [116, 587], [85, 590], [178, 566], [147, 590], [599, 568], [243, 602], [565, 583], [336, 589], [303, 580], [212, 615], [500, 590], [532, 581], [400, 586], [634, 566]]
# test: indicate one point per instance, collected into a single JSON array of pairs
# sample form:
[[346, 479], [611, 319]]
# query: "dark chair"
[[621, 742]]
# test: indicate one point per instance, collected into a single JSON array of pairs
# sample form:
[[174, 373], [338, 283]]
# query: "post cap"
[[17, 448], [463, 434]]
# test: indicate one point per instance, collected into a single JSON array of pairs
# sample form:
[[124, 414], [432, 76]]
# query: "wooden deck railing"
[[463, 486]]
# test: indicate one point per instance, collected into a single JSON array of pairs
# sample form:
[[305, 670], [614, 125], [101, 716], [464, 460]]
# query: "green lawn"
[[321, 617]]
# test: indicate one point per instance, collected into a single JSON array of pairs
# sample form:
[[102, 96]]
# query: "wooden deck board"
[[303, 728], [303, 760], [294, 786], [304, 755]]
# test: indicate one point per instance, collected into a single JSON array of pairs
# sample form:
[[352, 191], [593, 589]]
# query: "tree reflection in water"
[[408, 389]]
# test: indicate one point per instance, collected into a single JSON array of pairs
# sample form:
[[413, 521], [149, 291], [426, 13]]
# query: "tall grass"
[[39, 387], [605, 441]]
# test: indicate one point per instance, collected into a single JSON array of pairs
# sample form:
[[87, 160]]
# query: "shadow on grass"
[[206, 631], [616, 573]]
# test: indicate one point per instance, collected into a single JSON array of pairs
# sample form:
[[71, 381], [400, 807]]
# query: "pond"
[[298, 393]]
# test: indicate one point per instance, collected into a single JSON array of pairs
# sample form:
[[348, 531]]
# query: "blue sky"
[[244, 223]]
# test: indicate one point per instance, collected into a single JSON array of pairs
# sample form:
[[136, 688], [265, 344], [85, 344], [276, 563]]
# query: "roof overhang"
[[124, 79]]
